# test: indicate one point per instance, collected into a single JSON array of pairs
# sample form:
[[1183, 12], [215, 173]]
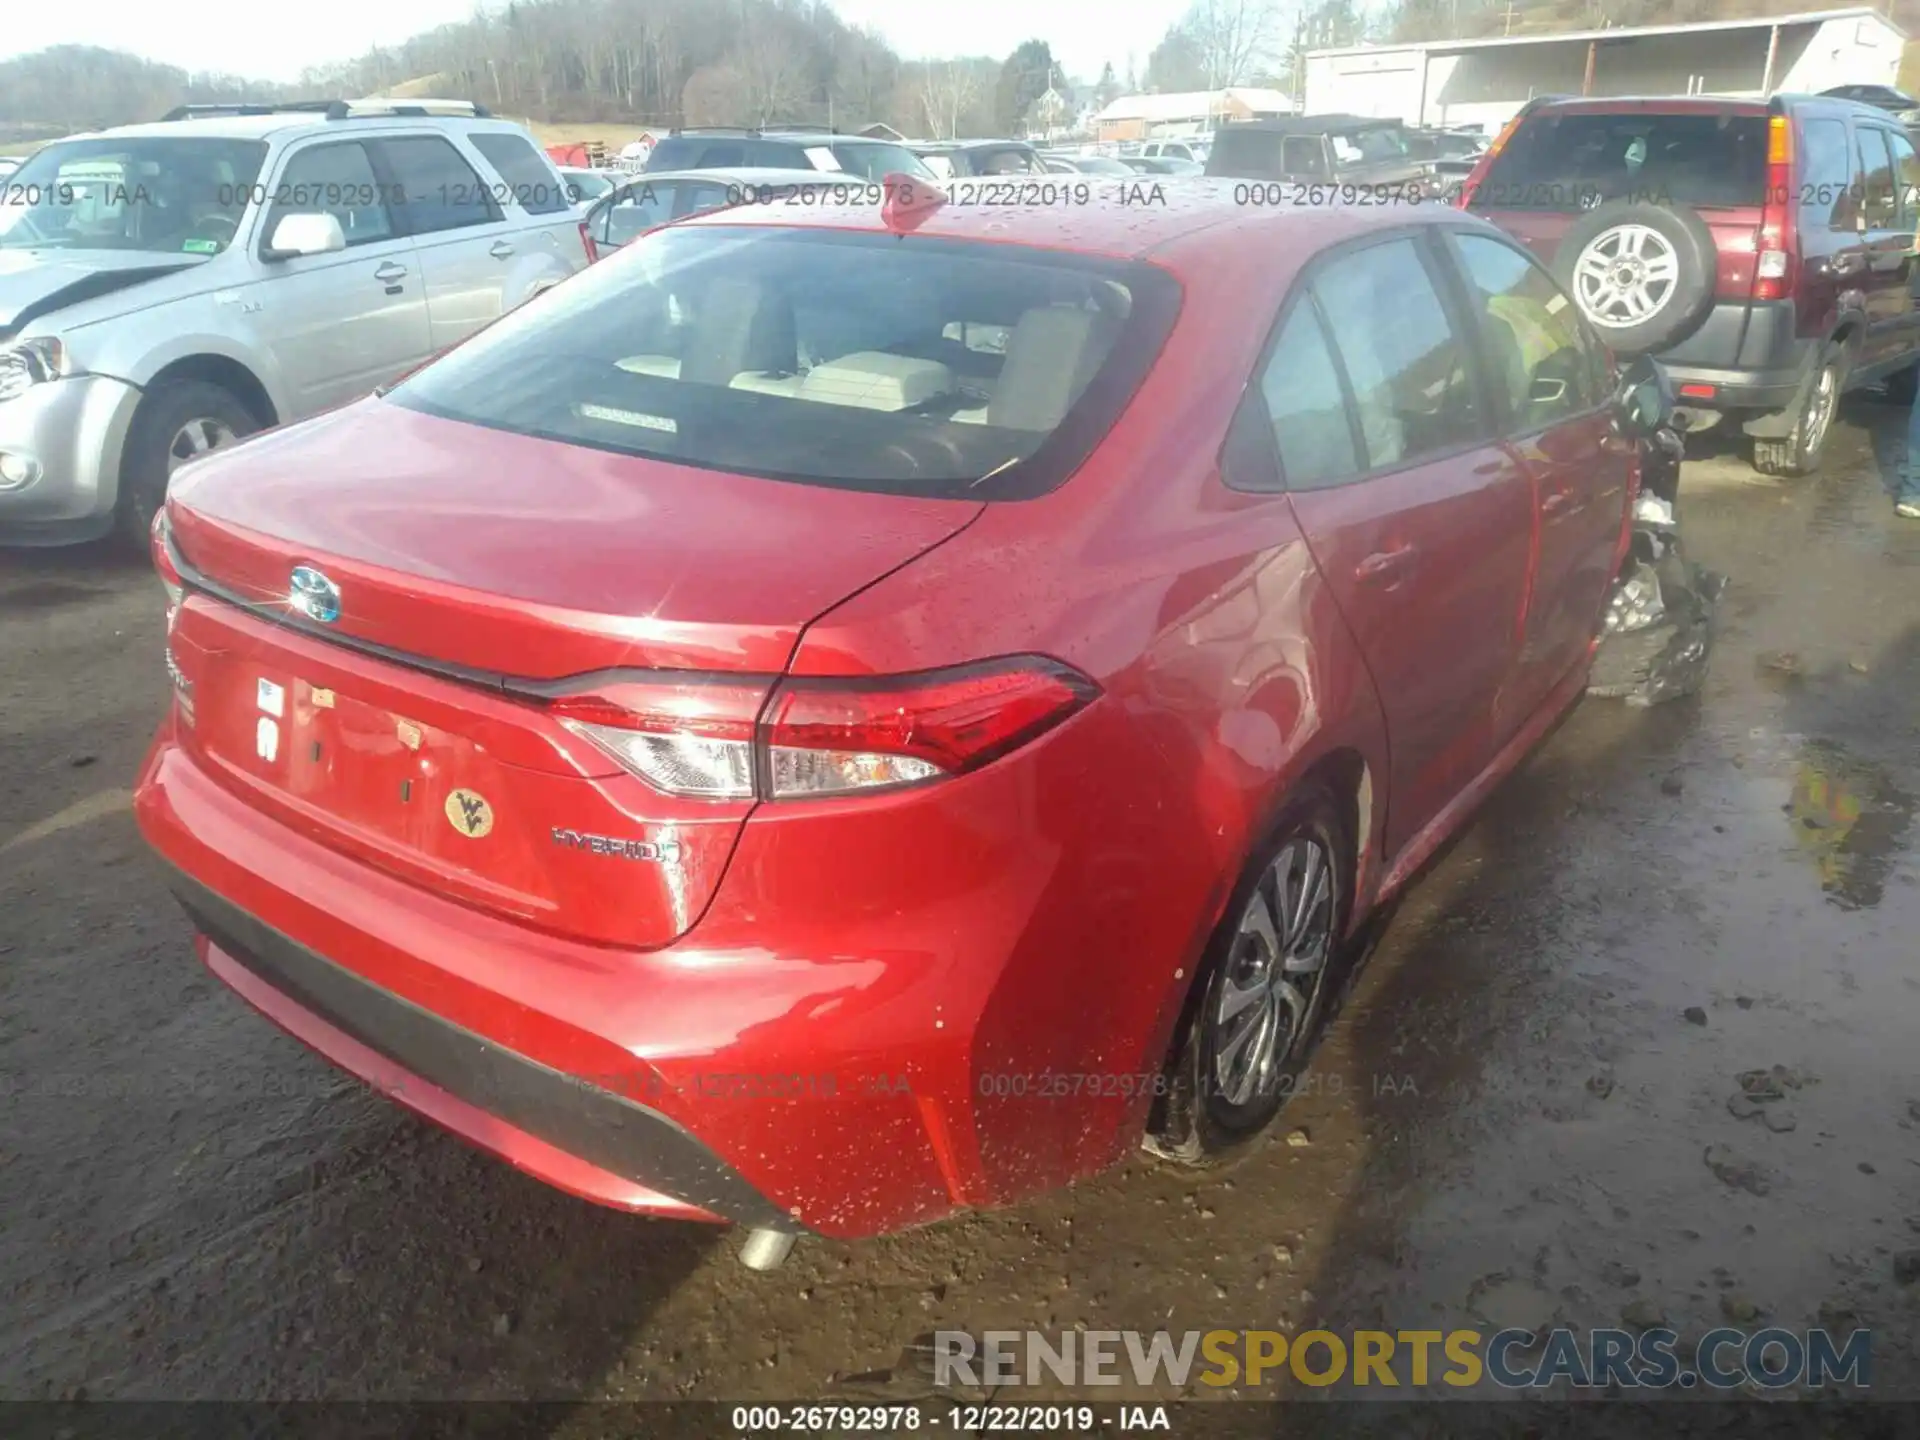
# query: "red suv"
[[1764, 250], [829, 722]]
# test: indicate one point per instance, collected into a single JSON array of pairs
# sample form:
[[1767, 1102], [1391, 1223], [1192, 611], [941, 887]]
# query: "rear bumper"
[[883, 1018], [576, 1136], [1749, 355]]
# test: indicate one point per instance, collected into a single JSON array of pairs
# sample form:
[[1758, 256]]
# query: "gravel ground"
[[1529, 1107]]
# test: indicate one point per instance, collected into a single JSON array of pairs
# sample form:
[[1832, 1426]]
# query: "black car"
[[1881, 97], [1332, 149], [783, 147]]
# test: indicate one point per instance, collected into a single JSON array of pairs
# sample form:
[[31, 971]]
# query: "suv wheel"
[[1642, 274], [1262, 992], [180, 420], [1798, 452]]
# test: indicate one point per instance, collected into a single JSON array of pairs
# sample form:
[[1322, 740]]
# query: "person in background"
[[1906, 503]]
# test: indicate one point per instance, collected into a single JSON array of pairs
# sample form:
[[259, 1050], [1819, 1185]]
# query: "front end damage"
[[1659, 626]]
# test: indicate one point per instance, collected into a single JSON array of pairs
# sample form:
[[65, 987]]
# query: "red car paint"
[[871, 1010]]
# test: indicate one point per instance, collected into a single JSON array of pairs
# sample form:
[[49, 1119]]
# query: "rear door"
[[1889, 248], [338, 325], [540, 206], [1833, 252], [1550, 382], [459, 230], [1419, 519]]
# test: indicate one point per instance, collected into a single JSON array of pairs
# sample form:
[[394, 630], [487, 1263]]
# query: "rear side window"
[[434, 188], [1247, 154], [729, 156], [1412, 384], [1543, 363], [1827, 181], [673, 153], [337, 179], [877, 161], [1302, 155], [1881, 193], [535, 187], [1575, 160], [940, 368], [1906, 169], [635, 210], [1301, 388]]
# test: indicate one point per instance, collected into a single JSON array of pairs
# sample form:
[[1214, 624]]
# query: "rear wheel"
[[179, 421], [1263, 989], [1798, 452]]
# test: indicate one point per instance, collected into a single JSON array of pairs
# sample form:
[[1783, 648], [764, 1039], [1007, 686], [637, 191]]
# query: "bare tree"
[[1233, 38]]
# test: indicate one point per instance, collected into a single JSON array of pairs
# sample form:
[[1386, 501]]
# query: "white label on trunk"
[[266, 739], [273, 700]]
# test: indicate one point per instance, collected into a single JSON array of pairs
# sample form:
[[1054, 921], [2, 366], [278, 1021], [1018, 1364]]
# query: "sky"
[[276, 42]]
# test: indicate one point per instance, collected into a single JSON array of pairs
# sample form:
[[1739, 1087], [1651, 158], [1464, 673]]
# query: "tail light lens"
[[163, 565], [816, 737], [1773, 250], [681, 735], [586, 243]]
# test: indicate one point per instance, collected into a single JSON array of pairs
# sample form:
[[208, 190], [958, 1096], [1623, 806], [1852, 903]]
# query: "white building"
[[1483, 82]]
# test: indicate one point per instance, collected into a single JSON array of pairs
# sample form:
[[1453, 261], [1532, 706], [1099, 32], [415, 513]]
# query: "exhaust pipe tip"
[[766, 1249]]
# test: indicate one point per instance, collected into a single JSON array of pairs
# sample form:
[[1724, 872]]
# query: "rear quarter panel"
[[1226, 673]]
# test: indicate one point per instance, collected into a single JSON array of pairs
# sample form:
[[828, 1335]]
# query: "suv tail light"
[[586, 243], [726, 740], [1774, 249], [1478, 175]]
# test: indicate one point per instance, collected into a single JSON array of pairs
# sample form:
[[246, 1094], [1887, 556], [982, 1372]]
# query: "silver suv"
[[168, 288]]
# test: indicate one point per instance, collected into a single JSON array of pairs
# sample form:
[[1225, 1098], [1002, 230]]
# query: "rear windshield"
[[1574, 161], [916, 366]]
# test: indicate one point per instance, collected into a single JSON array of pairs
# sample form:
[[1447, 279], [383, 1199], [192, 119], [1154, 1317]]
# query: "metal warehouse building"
[[1483, 82]]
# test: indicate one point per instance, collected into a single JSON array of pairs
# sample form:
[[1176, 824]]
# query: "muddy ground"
[[1512, 1119]]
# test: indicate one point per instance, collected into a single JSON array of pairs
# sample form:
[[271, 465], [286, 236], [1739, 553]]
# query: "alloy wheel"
[[197, 438], [1274, 971], [1625, 276]]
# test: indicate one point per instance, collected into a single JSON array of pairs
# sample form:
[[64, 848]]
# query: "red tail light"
[[725, 740], [1478, 175], [163, 564], [1774, 251], [586, 243]]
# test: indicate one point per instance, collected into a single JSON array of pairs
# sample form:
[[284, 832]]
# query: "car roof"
[[1186, 220], [260, 127], [1310, 124], [799, 134], [947, 147], [1702, 104], [749, 175]]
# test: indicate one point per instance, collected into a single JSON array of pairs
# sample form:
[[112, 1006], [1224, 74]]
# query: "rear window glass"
[[920, 366], [1574, 161]]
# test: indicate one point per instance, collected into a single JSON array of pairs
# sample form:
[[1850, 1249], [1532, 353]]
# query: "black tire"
[[1798, 452], [1903, 385], [1199, 1120], [1685, 301], [165, 412]]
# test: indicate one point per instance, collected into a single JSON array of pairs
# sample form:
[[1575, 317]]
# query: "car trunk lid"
[[479, 575]]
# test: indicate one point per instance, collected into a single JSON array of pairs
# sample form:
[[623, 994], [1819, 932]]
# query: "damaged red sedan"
[[825, 723]]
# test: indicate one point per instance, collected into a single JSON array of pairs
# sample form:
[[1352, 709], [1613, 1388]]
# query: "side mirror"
[[1645, 398], [306, 234]]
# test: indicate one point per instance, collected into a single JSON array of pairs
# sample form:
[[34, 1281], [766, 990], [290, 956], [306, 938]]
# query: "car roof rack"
[[375, 107]]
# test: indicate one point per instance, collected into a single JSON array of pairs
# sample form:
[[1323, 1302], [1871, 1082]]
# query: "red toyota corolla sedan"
[[827, 722]]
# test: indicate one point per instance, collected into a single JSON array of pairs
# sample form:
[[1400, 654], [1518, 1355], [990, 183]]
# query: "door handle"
[[1561, 502], [500, 250], [1385, 565], [390, 273]]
